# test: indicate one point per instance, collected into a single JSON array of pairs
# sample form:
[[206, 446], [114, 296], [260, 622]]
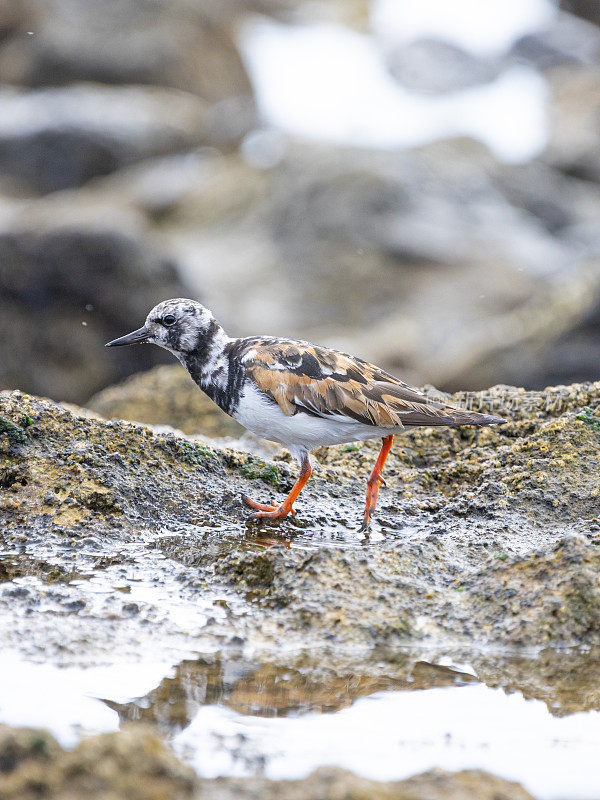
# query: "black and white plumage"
[[294, 393]]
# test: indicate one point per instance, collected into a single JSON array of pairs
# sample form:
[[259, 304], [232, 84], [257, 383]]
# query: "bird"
[[300, 395]]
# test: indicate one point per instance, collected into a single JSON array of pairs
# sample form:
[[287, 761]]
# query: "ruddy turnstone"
[[295, 393]]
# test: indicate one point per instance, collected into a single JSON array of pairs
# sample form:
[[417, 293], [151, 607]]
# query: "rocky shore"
[[137, 163], [485, 545], [484, 536]]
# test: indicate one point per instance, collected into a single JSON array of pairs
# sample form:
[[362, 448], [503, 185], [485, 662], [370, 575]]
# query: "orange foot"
[[268, 511]]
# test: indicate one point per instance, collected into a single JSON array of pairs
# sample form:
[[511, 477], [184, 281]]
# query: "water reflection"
[[271, 689], [17, 565], [384, 715], [567, 681]]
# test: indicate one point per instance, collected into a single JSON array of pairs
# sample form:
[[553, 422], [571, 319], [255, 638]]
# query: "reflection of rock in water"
[[272, 690], [277, 690], [173, 704], [568, 681]]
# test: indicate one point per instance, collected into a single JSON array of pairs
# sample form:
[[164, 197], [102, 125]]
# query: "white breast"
[[264, 418]]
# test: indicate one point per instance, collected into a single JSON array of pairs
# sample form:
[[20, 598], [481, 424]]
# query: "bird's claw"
[[277, 512], [258, 506], [264, 511]]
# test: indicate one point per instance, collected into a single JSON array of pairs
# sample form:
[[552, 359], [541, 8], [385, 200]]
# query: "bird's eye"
[[169, 320]]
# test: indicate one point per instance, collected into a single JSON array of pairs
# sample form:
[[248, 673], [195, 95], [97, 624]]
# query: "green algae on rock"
[[587, 415], [15, 433], [79, 469]]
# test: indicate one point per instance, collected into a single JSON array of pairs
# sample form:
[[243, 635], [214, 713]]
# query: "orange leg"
[[374, 480], [275, 512]]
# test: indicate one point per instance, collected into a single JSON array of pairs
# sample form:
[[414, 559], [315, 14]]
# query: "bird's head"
[[178, 325]]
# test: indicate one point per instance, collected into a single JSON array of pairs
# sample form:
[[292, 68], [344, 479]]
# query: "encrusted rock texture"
[[481, 536]]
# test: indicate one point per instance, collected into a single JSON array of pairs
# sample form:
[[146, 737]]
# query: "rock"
[[329, 783], [22, 748], [56, 138], [134, 764], [482, 539], [439, 264], [475, 523], [198, 188], [73, 278], [568, 40], [12, 16], [569, 609], [432, 66], [175, 44], [573, 110], [165, 396], [353, 14], [587, 9]]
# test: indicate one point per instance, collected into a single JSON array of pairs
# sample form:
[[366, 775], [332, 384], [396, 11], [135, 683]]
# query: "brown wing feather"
[[303, 377]]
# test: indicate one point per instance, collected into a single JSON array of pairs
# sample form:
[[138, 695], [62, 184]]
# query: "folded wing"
[[304, 378]]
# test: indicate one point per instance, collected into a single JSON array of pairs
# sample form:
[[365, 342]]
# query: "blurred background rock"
[[417, 183]]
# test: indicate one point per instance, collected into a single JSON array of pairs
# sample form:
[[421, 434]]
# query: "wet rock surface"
[[116, 538], [487, 536]]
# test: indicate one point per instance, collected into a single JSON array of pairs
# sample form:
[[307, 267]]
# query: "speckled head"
[[179, 325]]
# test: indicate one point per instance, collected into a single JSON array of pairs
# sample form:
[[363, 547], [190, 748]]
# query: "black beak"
[[135, 337]]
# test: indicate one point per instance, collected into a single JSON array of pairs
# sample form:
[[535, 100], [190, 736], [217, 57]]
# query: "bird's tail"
[[457, 416]]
